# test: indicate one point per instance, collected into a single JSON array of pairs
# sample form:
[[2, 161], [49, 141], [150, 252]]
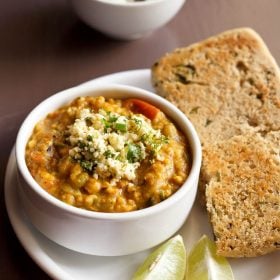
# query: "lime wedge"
[[204, 264], [167, 262]]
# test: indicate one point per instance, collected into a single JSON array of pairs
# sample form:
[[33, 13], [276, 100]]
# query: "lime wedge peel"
[[204, 264], [167, 262]]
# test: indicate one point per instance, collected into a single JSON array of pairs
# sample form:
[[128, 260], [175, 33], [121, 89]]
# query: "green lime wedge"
[[204, 264], [168, 262]]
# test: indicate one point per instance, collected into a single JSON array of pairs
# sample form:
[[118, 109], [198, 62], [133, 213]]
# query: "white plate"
[[61, 263]]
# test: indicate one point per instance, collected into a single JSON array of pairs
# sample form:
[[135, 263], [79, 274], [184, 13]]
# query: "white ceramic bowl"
[[126, 20], [107, 234]]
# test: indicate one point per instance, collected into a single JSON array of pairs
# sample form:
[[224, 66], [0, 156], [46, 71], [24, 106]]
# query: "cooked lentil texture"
[[108, 155]]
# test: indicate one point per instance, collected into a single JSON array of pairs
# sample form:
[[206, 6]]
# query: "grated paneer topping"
[[110, 145]]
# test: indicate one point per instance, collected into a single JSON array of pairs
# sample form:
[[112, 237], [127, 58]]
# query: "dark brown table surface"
[[45, 48]]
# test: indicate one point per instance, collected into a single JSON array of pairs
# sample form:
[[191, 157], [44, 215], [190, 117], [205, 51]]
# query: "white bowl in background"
[[105, 234], [126, 20]]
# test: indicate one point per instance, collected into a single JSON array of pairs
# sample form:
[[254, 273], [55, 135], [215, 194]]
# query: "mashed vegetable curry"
[[108, 155]]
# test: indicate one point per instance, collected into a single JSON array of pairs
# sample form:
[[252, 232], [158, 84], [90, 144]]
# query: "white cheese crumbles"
[[110, 145]]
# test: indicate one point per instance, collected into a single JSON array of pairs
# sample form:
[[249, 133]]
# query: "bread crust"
[[229, 87]]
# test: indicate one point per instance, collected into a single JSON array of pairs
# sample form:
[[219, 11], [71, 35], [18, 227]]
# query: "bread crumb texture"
[[243, 194], [229, 87]]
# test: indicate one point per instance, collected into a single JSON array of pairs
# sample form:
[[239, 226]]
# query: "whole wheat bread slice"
[[243, 194], [229, 87]]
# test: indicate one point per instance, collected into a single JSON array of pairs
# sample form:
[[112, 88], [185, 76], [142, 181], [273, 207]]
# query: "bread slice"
[[243, 194], [227, 85]]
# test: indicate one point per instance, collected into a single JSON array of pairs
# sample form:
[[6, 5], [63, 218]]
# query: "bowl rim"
[[64, 97], [130, 4]]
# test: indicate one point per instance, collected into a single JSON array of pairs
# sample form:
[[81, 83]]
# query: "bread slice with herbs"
[[242, 175], [227, 85]]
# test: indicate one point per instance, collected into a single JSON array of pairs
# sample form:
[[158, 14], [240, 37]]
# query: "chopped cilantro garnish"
[[121, 127], [106, 124], [108, 154], [133, 153], [153, 142], [112, 119], [87, 165], [109, 122]]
